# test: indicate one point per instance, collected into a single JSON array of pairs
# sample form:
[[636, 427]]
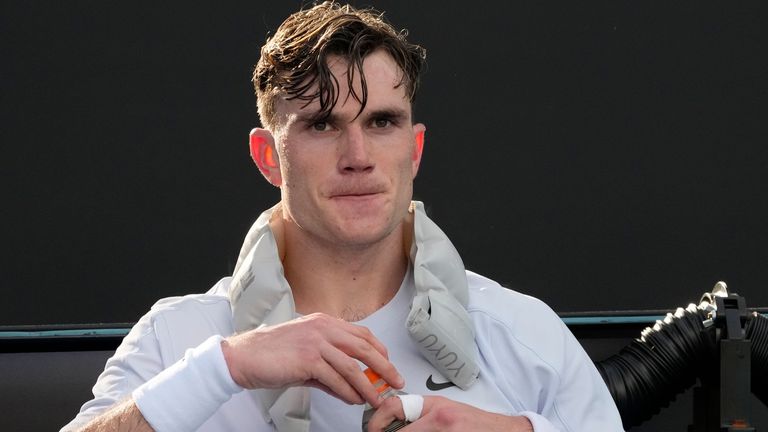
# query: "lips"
[[359, 197], [356, 192]]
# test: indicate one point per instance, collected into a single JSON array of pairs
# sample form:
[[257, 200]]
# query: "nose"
[[355, 154]]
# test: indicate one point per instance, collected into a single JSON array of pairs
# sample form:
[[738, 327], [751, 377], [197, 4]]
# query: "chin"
[[361, 235]]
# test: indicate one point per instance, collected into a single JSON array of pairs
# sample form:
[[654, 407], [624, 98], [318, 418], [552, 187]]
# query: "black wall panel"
[[602, 155]]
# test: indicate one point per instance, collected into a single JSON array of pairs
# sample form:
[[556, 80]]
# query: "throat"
[[351, 300], [341, 282]]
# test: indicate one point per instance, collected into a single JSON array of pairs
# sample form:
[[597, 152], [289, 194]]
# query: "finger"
[[369, 350], [328, 324], [366, 334], [413, 406], [350, 370], [390, 410], [428, 422], [327, 378]]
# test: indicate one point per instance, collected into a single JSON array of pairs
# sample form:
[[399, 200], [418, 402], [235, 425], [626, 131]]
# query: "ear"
[[264, 154], [418, 131]]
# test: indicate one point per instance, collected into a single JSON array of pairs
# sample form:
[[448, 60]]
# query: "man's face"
[[348, 180]]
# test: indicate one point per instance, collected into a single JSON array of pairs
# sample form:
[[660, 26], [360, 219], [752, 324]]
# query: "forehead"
[[383, 78]]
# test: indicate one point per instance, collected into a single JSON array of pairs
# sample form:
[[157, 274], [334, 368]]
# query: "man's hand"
[[316, 350], [441, 414]]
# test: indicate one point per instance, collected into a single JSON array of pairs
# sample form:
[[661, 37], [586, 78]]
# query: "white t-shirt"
[[388, 324], [529, 361]]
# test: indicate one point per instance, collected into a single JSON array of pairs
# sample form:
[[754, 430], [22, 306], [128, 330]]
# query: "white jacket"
[[529, 364]]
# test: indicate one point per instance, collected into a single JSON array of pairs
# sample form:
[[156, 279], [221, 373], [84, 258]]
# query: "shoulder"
[[487, 297], [213, 303], [175, 324], [504, 317], [551, 374]]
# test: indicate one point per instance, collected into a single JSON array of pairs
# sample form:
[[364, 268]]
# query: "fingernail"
[[400, 381]]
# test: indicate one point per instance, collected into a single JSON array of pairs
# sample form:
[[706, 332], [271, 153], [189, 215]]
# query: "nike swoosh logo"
[[438, 386]]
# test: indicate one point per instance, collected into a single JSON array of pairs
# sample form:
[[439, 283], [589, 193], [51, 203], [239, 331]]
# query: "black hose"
[[647, 374]]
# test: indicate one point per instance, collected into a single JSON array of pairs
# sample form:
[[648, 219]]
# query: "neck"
[[346, 282]]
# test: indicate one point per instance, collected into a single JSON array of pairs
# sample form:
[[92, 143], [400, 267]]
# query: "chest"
[[329, 414]]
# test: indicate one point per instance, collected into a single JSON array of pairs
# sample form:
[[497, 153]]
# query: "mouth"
[[357, 194], [356, 191], [362, 196]]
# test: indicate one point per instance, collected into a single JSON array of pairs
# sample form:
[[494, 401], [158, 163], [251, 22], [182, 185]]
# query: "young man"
[[346, 273]]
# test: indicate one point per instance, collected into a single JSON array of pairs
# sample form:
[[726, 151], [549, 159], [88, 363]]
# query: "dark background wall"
[[601, 155]]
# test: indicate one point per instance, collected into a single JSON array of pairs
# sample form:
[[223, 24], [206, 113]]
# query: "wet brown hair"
[[295, 59]]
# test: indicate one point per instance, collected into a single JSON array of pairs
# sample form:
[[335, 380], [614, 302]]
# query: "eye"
[[381, 122], [320, 126]]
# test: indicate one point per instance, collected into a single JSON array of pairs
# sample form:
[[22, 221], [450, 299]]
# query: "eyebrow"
[[389, 113], [312, 117]]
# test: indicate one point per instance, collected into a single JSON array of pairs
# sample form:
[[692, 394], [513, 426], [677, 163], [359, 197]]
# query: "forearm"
[[181, 397], [123, 417]]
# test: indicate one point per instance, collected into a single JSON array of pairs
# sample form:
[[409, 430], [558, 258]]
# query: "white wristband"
[[184, 396], [539, 422], [412, 406]]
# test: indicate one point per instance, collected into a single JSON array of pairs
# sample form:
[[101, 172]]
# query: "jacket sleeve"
[[581, 400], [135, 361], [542, 367]]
